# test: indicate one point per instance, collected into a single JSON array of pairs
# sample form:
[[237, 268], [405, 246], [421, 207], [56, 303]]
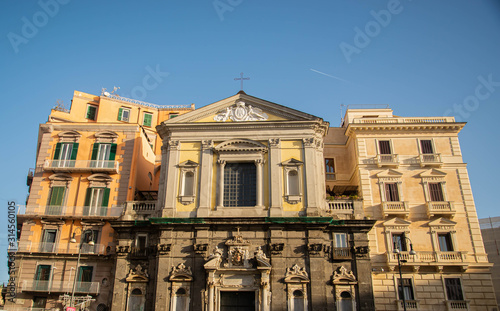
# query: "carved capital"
[[221, 162], [163, 249], [308, 142], [277, 248], [200, 249], [173, 145], [274, 142], [207, 144]]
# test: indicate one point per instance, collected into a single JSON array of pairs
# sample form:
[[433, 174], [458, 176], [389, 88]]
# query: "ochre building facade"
[[245, 204]]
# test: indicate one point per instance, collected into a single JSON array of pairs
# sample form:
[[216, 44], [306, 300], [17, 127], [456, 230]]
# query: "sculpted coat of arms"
[[241, 112]]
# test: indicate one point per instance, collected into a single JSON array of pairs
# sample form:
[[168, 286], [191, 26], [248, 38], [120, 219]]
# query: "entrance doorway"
[[237, 301]]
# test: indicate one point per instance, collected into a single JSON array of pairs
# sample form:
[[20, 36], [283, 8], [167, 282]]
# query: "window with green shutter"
[[91, 112], [57, 196], [148, 117], [123, 114], [96, 202]]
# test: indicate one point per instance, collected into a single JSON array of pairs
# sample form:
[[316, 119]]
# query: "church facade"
[[245, 204]]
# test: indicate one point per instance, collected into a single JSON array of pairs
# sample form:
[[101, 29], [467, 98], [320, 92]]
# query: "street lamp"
[[396, 251], [73, 240]]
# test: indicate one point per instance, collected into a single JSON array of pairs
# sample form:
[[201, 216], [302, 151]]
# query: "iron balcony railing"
[[82, 165], [77, 211], [60, 287], [60, 248], [342, 253]]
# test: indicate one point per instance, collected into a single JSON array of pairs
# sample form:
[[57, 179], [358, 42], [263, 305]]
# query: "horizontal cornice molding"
[[455, 127]]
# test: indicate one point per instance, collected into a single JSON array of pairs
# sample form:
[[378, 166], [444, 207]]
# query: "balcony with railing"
[[60, 287], [453, 305], [430, 159], [60, 248], [138, 210], [342, 253], [399, 208], [399, 120], [391, 160], [410, 305], [103, 166], [429, 258], [443, 208], [72, 211], [344, 208]]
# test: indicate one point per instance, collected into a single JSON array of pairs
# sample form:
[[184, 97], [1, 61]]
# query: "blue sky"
[[423, 58]]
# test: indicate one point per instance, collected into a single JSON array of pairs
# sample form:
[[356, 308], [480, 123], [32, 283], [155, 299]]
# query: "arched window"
[[298, 300], [345, 303], [137, 292]]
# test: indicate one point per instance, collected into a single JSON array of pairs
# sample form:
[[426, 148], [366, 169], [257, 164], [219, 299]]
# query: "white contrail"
[[328, 75]]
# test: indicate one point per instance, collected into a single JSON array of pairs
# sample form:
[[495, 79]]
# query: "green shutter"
[[147, 119], [105, 197], [87, 197], [57, 152], [112, 152], [74, 151], [57, 196], [120, 114], [95, 150]]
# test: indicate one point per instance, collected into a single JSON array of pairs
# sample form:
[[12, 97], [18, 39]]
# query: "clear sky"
[[421, 57]]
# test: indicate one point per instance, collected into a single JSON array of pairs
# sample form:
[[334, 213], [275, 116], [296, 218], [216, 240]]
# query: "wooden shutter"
[[88, 195], [384, 147], [57, 196], [95, 150], [74, 151], [436, 192], [426, 146], [57, 152], [112, 152], [105, 197], [391, 192], [147, 119], [120, 114]]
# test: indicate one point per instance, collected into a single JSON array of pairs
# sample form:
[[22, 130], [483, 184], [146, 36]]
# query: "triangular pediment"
[[396, 222], [441, 222], [292, 162], [188, 163], [390, 173], [242, 108], [432, 173]]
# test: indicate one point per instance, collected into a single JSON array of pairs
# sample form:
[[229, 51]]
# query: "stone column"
[[275, 183], [363, 272], [278, 271], [206, 167], [310, 171], [258, 164], [319, 275], [171, 178], [220, 198], [122, 268], [163, 264]]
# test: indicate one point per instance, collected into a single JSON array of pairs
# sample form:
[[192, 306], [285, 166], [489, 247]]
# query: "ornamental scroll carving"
[[241, 112]]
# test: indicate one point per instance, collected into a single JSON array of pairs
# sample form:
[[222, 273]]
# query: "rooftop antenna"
[[115, 88]]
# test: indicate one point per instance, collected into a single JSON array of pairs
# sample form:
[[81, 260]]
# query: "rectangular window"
[[103, 155], [405, 289], [240, 186], [391, 192], [436, 192], [384, 147], [426, 146], [148, 117], [87, 236], [453, 289], [330, 169], [445, 244], [57, 196], [65, 154], [399, 241], [340, 240], [91, 112], [48, 240], [84, 279], [96, 202], [42, 278], [124, 114]]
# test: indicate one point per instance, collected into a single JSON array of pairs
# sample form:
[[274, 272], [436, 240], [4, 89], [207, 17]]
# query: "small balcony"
[[138, 252], [429, 258], [342, 253], [399, 208], [444, 208], [73, 211], [60, 287], [390, 160], [344, 208], [410, 305], [452, 305], [139, 210], [430, 159], [96, 166], [60, 248]]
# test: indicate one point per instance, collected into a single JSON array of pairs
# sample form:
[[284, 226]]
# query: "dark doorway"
[[237, 301]]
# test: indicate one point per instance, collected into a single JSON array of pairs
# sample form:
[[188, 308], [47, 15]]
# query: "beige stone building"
[[414, 183], [490, 229]]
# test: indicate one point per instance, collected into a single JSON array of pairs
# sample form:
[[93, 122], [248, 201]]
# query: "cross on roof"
[[241, 78]]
